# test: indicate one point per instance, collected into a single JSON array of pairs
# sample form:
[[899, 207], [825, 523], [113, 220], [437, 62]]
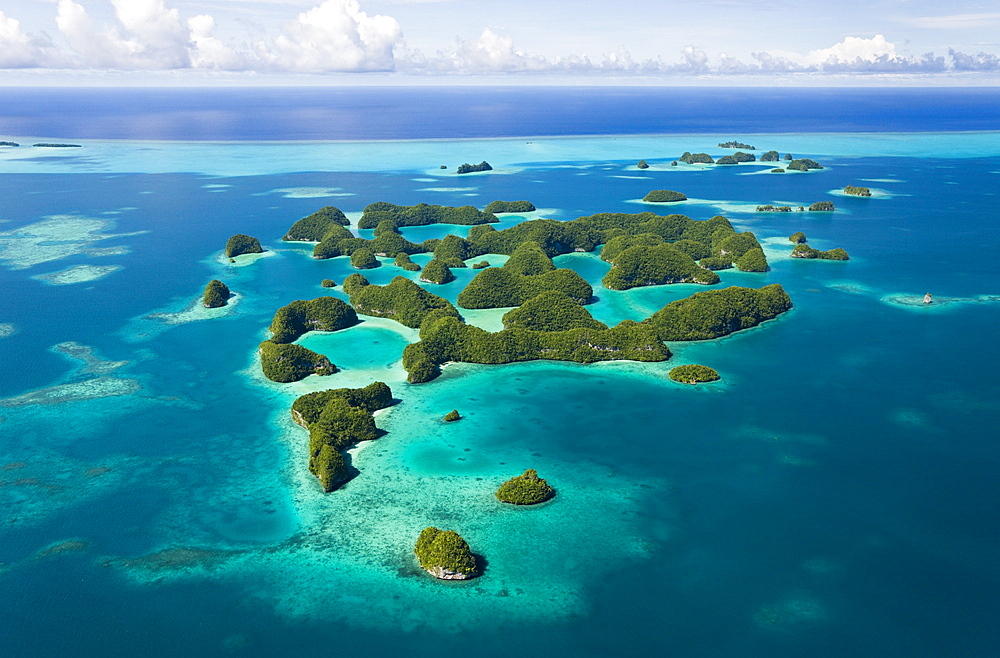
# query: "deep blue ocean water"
[[834, 495]]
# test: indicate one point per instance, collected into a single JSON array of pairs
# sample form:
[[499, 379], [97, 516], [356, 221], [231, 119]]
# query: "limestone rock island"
[[445, 555], [525, 489]]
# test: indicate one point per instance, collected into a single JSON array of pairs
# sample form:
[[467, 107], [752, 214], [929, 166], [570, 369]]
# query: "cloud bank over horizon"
[[339, 36]]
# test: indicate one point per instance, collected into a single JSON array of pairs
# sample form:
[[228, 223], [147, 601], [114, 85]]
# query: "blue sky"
[[515, 41]]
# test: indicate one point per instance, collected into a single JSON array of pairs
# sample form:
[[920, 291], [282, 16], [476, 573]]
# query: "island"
[[445, 555], [798, 237], [736, 145], [401, 300], [9, 144], [216, 294], [328, 283], [822, 206], [528, 272], [403, 260], [805, 251], [803, 164], [664, 196], [480, 265], [49, 145], [285, 363], [525, 489], [317, 226], [551, 310], [716, 313], [452, 416], [241, 244], [472, 168], [364, 259], [336, 420], [770, 156], [727, 160], [320, 314], [696, 158], [778, 170], [857, 191], [437, 271], [643, 265], [354, 282], [423, 214], [642, 165], [509, 206], [770, 208], [693, 374]]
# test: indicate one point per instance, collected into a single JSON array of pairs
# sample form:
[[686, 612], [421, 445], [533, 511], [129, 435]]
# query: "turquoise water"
[[833, 495]]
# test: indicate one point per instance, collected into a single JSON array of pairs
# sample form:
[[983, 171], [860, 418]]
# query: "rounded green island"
[[445, 555], [525, 489], [452, 416], [664, 196], [216, 294], [694, 374]]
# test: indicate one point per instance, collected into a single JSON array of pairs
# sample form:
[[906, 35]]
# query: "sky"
[[511, 41]]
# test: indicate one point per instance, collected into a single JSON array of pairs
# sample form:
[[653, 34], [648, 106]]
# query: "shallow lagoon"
[[839, 468]]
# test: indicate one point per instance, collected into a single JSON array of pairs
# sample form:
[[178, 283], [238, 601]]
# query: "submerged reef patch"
[[53, 238], [77, 274]]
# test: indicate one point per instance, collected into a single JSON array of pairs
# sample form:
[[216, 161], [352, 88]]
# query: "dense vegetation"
[[550, 311], [452, 416], [753, 260], [716, 313], [437, 271], [857, 191], [329, 244], [642, 165], [444, 554], [290, 363], [770, 156], [693, 374], [803, 164], [320, 314], [770, 208], [336, 420], [403, 261], [716, 263], [216, 294], [798, 237], [727, 160], [480, 265], [525, 489], [740, 156], [805, 251], [642, 265], [527, 273], [422, 214], [736, 145], [401, 300], [317, 225], [241, 244], [510, 206], [354, 282], [467, 168], [696, 158], [328, 283], [448, 339], [822, 206], [664, 196], [364, 259]]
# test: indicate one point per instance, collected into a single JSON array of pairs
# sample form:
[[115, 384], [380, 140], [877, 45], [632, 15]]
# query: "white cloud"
[[334, 36], [854, 49], [207, 52], [20, 50], [956, 21]]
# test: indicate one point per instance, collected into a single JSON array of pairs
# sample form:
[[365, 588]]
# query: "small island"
[[364, 259], [696, 158], [770, 208], [664, 196], [803, 164], [642, 165], [693, 374], [471, 168], [770, 156], [445, 555], [216, 294], [241, 244], [320, 314], [316, 227], [805, 251], [403, 260], [437, 271], [798, 237], [857, 191], [290, 363], [822, 206], [9, 144], [510, 206], [481, 265], [452, 416], [525, 489], [727, 160], [328, 283], [49, 145], [736, 145]]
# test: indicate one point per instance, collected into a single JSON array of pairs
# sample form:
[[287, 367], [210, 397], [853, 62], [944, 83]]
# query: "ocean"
[[833, 494]]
